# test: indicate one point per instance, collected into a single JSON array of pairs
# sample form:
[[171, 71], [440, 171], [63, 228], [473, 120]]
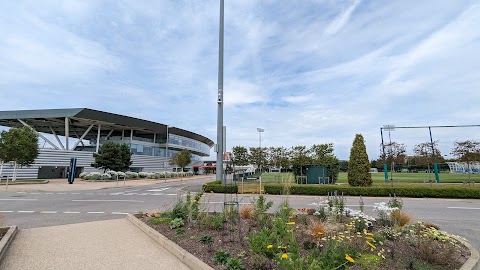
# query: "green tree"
[[359, 165], [322, 155], [258, 156], [20, 146], [240, 156], [113, 156], [299, 158], [423, 154], [394, 154], [182, 159], [467, 151]]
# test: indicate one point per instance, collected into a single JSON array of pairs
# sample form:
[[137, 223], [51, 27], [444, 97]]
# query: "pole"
[[219, 165], [435, 166], [166, 144], [393, 166], [385, 167], [260, 177]]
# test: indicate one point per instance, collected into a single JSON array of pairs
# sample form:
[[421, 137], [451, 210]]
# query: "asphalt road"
[[41, 209]]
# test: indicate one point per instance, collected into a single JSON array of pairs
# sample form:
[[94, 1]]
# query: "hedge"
[[218, 187], [414, 192]]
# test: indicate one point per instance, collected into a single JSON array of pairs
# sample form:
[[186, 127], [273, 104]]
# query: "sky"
[[307, 72]]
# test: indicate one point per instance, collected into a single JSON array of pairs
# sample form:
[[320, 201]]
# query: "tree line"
[[295, 159], [425, 153]]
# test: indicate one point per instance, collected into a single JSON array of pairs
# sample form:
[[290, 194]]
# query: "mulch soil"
[[235, 243]]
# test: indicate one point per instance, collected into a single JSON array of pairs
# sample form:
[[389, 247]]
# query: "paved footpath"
[[111, 244]]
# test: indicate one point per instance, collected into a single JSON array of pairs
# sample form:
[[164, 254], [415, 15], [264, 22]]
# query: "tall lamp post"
[[166, 144], [260, 130]]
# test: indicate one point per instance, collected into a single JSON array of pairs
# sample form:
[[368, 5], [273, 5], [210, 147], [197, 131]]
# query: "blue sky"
[[305, 71]]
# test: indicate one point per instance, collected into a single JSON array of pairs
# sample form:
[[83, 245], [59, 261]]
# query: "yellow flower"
[[284, 256], [371, 245], [270, 246], [348, 258], [291, 223], [319, 233], [285, 208], [279, 247], [194, 201]]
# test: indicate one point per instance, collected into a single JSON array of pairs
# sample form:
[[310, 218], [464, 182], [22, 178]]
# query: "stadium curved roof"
[[53, 120]]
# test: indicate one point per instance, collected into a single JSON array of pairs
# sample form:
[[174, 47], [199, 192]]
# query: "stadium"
[[79, 132]]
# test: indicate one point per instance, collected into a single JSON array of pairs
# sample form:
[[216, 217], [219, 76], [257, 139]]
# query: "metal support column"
[[435, 166], [67, 132], [98, 138], [219, 164], [56, 137], [39, 134]]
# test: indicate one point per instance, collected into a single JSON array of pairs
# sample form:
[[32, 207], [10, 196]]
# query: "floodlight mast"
[[219, 148]]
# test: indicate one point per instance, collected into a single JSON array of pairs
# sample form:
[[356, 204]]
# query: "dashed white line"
[[106, 201], [61, 193], [18, 200], [76, 193], [21, 192], [25, 211], [119, 213], [49, 212], [71, 212], [48, 193], [35, 193], [465, 208], [6, 211], [95, 212]]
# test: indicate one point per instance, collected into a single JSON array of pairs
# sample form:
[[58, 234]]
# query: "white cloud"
[[342, 19]]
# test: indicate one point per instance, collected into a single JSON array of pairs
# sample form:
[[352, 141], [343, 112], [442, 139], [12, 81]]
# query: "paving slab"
[[111, 244]]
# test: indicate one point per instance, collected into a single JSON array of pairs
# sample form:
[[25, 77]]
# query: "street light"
[[260, 130], [166, 144]]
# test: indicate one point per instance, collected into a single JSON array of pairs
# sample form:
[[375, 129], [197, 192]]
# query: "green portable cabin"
[[317, 175]]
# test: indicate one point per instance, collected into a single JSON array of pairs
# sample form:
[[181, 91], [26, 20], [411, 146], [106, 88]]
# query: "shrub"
[[311, 211], [218, 187], [400, 217], [105, 176], [318, 227], [378, 191], [246, 211], [131, 175], [83, 174], [359, 165], [176, 223], [121, 175], [156, 221], [221, 257], [234, 264], [205, 239], [142, 174], [260, 262], [218, 221], [93, 176]]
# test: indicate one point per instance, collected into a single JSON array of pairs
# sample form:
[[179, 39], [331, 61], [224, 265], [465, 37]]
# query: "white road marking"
[[48, 212], [158, 190], [34, 192], [26, 211], [171, 194], [95, 212], [157, 194], [465, 208], [119, 213], [6, 211], [132, 190], [76, 193], [106, 201], [21, 192], [143, 194], [61, 193], [48, 193], [71, 212], [18, 200]]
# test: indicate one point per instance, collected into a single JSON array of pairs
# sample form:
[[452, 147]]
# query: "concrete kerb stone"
[[6, 240], [184, 256], [473, 262]]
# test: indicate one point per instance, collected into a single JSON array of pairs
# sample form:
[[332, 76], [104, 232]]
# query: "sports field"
[[421, 177]]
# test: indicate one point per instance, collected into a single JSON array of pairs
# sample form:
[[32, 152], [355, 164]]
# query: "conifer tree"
[[359, 165]]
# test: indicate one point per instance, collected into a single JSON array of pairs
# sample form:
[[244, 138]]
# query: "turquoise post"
[[435, 169], [385, 171]]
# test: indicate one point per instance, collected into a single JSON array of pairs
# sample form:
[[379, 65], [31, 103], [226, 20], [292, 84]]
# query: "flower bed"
[[112, 175], [329, 236]]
